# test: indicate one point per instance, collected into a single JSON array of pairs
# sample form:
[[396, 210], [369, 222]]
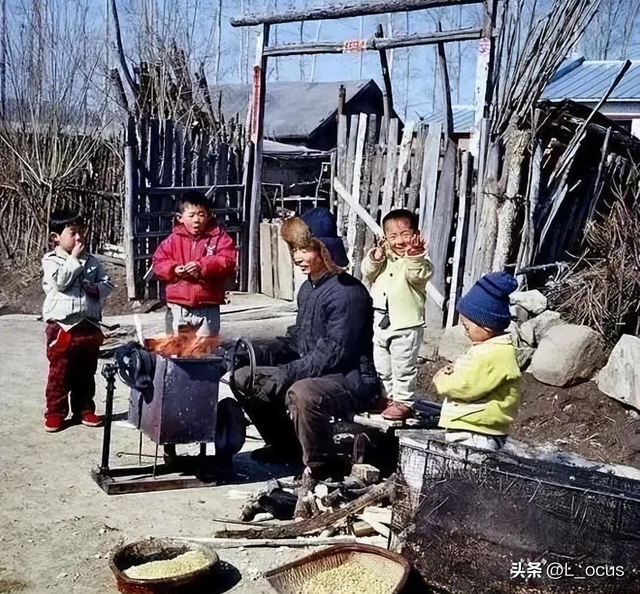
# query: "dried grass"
[[602, 289]]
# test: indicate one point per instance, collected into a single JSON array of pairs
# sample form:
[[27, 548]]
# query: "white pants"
[[395, 354], [206, 319], [476, 440]]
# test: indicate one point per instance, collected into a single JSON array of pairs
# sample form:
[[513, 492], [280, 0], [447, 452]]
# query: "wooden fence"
[[417, 168], [95, 192], [164, 160]]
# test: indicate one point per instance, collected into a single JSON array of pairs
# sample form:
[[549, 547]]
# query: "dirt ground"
[[57, 527], [579, 419]]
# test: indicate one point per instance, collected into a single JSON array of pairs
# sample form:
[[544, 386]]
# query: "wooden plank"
[[153, 167], [404, 164], [391, 169], [417, 156], [484, 72], [352, 145], [184, 189], [461, 236], [178, 161], [284, 265], [344, 10], [443, 71], [440, 235], [429, 181], [167, 166], [373, 44], [341, 164], [266, 261], [361, 211], [259, 95], [202, 165], [130, 207], [355, 186], [377, 178], [387, 89]]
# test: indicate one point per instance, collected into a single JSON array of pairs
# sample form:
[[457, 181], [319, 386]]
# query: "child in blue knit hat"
[[482, 387]]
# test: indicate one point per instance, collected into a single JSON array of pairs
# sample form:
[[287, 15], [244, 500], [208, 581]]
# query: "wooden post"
[[484, 75], [130, 207], [446, 92], [355, 186], [257, 128], [461, 237], [387, 90]]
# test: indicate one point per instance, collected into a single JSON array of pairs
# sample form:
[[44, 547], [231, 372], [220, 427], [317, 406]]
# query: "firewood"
[[375, 495]]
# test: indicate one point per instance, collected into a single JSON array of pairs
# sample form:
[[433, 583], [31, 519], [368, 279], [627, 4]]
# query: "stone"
[[532, 331], [519, 313], [533, 301], [453, 343], [568, 354], [524, 354], [367, 473], [620, 377]]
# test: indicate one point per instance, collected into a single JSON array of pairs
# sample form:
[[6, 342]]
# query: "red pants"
[[73, 359]]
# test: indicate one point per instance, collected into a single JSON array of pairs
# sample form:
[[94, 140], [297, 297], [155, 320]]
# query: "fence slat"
[[440, 235], [461, 235], [356, 185], [404, 164], [391, 167], [428, 185], [417, 155]]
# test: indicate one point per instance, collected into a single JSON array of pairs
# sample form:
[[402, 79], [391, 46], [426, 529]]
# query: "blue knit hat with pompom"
[[487, 302]]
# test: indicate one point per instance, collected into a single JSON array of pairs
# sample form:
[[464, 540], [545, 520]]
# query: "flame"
[[184, 344]]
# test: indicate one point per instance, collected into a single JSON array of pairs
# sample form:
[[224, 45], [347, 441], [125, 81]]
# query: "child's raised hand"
[[417, 246], [380, 252], [78, 249]]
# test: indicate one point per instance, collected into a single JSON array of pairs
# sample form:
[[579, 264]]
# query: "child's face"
[[398, 233], [194, 218], [477, 333], [68, 239]]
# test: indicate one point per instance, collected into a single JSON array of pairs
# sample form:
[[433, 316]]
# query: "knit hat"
[[487, 302]]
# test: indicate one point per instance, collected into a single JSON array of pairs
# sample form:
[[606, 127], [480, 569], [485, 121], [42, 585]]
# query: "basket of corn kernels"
[[347, 569], [163, 566]]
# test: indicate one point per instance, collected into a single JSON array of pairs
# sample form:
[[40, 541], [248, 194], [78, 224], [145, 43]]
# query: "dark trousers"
[[73, 360], [298, 417]]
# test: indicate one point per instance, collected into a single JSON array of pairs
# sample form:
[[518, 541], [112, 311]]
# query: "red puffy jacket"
[[214, 250]]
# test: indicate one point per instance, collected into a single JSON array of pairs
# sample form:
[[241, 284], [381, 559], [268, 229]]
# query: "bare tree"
[[615, 31]]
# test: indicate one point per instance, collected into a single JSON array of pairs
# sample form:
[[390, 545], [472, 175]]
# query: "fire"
[[184, 344]]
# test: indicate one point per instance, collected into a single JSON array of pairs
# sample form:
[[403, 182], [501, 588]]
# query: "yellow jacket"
[[399, 283], [483, 391]]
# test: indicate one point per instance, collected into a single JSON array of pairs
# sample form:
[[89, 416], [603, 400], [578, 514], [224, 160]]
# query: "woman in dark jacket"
[[323, 366]]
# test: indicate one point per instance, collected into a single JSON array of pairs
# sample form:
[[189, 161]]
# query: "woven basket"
[[161, 549], [290, 578]]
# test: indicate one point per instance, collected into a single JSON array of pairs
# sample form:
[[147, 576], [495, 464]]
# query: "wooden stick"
[[387, 91], [257, 137], [345, 10], [372, 44], [375, 495], [234, 543]]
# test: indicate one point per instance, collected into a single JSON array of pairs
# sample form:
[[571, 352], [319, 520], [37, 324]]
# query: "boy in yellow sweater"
[[482, 387], [398, 272]]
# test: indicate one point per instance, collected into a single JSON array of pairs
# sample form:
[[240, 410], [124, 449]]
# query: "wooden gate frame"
[[144, 181], [253, 154]]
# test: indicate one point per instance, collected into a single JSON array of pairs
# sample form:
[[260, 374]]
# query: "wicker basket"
[[160, 549], [289, 578]]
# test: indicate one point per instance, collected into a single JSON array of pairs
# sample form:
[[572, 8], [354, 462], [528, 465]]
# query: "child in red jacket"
[[195, 261]]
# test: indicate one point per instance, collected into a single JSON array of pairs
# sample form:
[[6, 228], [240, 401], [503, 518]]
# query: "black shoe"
[[272, 455]]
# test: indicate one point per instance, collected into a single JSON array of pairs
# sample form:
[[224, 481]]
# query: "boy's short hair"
[[401, 213], [195, 199], [62, 218]]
